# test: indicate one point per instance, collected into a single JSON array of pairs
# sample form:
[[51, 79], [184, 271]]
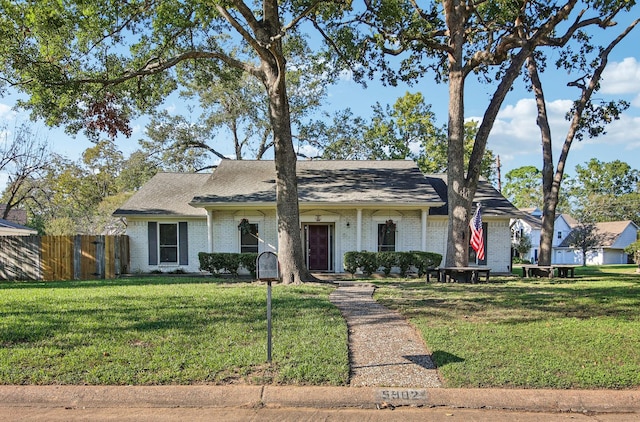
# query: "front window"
[[387, 237], [168, 243], [249, 238]]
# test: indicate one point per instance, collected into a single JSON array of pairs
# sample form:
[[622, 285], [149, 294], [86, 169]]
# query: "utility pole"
[[498, 166]]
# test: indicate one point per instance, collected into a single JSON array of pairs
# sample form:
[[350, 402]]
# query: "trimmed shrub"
[[248, 262], [425, 260], [387, 260], [370, 262], [217, 263], [351, 262]]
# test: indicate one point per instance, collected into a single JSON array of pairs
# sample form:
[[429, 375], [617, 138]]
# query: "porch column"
[[359, 230], [423, 244], [210, 230]]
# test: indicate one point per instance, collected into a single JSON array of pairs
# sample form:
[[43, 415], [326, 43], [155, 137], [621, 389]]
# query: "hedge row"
[[370, 262], [217, 263]]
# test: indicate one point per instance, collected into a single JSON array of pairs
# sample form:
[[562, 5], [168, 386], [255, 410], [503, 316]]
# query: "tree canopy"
[[455, 40], [94, 66]]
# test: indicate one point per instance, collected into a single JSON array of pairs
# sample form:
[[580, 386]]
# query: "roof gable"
[[165, 194], [492, 201]]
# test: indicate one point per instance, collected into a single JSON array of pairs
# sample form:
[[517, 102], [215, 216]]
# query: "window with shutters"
[[168, 242]]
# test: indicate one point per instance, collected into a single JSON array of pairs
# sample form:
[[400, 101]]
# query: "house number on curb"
[[401, 395]]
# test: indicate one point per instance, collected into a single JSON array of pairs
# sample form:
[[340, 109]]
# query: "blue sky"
[[515, 136]]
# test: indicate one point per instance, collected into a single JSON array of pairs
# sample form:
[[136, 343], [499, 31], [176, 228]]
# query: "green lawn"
[[168, 331], [529, 333], [512, 332]]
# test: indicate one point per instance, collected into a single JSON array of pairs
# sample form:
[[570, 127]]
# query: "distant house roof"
[[609, 232], [15, 215], [10, 228], [532, 217], [492, 202], [572, 222], [166, 194], [337, 182]]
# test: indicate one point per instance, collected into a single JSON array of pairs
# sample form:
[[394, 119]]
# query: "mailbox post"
[[267, 269]]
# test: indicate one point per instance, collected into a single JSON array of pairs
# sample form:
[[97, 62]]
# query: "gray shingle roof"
[[493, 203], [397, 182], [534, 221], [166, 194], [608, 231], [12, 225], [393, 183]]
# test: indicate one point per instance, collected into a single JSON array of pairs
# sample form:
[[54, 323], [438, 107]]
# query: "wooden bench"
[[433, 271], [465, 274], [564, 271]]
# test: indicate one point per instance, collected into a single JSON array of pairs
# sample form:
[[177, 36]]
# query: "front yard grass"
[[529, 333], [168, 331], [512, 332]]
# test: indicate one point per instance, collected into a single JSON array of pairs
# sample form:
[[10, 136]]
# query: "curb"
[[576, 401]]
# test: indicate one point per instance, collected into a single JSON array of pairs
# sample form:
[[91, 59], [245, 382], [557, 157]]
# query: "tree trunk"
[[550, 195], [290, 257], [458, 197]]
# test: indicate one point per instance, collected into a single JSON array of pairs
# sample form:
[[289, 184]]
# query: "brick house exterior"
[[344, 206]]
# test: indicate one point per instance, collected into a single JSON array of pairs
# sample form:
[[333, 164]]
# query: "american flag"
[[477, 238]]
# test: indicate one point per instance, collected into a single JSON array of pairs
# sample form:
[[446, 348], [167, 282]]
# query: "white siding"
[[627, 237]]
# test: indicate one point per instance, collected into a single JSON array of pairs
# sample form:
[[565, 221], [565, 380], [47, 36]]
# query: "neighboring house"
[[615, 237], [530, 225], [15, 215], [344, 206], [9, 228]]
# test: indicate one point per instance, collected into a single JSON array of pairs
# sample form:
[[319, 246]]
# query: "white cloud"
[[307, 151], [622, 77], [515, 132], [515, 137], [6, 113]]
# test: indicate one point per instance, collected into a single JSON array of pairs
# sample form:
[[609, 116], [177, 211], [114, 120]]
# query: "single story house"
[[344, 206]]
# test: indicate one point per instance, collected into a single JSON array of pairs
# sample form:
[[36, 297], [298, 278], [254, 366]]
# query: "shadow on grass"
[[124, 281], [28, 319], [442, 358], [513, 300]]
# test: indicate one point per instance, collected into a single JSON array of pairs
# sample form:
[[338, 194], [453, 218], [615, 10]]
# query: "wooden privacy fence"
[[81, 257]]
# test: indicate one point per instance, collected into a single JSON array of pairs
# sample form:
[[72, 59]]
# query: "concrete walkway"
[[384, 350]]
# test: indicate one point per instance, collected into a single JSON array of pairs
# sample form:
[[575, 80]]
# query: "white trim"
[[423, 235], [359, 230], [210, 230]]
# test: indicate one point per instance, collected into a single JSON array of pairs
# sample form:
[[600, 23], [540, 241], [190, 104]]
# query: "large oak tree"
[[457, 39], [586, 116], [95, 65]]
